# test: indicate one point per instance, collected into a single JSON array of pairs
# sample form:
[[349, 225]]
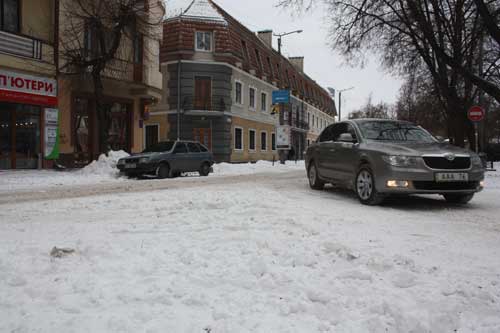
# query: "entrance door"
[[27, 137], [151, 135], [203, 93], [19, 136], [203, 136], [5, 139]]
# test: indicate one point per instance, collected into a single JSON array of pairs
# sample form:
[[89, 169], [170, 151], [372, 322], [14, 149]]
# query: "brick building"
[[218, 77]]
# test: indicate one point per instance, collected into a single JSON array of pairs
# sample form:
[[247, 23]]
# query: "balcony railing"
[[191, 104], [20, 45]]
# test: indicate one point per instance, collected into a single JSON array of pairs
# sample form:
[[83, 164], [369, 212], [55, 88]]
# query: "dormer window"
[[204, 41]]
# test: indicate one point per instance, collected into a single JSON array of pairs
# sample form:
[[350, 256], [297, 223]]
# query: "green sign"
[[51, 151]]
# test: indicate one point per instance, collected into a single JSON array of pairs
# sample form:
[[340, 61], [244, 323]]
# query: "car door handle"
[[332, 150]]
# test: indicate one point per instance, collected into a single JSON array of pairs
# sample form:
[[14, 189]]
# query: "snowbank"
[[102, 170], [105, 165], [228, 169]]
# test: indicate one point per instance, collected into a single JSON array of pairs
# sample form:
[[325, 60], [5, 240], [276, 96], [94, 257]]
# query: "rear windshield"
[[202, 148], [160, 147], [394, 131]]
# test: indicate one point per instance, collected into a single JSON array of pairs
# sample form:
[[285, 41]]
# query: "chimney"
[[297, 62], [266, 36]]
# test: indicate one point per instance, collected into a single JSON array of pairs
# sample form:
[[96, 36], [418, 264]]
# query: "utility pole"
[[340, 101], [283, 35], [179, 63]]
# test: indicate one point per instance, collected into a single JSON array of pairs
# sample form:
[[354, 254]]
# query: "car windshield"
[[394, 131], [160, 147]]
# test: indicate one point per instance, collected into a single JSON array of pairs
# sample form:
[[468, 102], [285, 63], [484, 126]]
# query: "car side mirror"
[[347, 137]]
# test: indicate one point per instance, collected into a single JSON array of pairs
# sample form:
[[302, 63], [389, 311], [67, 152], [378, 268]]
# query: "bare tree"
[[419, 103], [98, 39], [443, 38], [370, 110]]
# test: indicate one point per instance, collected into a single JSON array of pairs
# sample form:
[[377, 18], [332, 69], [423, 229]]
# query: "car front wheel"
[[365, 187], [204, 169], [163, 171], [314, 182], [460, 199]]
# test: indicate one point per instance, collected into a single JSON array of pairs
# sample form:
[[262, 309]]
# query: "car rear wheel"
[[365, 187], [460, 199], [204, 169], [312, 174], [163, 171]]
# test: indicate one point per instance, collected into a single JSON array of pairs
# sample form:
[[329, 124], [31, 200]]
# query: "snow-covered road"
[[254, 253]]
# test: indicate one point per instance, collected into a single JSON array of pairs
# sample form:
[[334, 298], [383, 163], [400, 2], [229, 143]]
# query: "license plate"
[[130, 166], [452, 177]]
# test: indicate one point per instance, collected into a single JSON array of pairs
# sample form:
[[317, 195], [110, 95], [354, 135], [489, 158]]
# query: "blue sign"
[[281, 96]]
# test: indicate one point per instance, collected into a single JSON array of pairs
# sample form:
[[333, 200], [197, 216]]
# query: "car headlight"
[[144, 160], [401, 161], [121, 162], [476, 161]]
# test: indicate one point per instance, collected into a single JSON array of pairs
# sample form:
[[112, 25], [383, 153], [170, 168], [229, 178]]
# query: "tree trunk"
[[102, 113]]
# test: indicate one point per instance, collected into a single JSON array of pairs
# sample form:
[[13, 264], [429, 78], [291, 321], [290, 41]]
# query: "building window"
[[270, 67], [263, 102], [9, 15], [204, 41], [251, 140], [138, 48], [203, 93], [263, 141], [273, 141], [244, 49], [238, 93], [259, 62], [238, 138], [251, 96]]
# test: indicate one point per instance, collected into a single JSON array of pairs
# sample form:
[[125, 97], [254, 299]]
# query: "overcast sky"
[[321, 63]]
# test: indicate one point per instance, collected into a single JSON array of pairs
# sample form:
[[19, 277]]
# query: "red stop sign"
[[475, 114]]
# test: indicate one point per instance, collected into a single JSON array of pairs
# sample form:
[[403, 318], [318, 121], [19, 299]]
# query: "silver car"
[[377, 158]]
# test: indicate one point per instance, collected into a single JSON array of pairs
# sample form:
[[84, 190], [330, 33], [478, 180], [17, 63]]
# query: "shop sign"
[[27, 89], [51, 151], [281, 96], [283, 136]]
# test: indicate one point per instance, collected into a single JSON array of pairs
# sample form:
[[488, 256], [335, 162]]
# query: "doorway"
[[203, 136], [151, 135], [19, 136]]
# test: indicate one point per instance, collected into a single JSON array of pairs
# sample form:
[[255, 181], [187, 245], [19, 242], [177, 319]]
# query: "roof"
[[204, 11]]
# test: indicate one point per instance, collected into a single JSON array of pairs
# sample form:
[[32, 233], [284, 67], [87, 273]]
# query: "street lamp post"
[[340, 101], [283, 35]]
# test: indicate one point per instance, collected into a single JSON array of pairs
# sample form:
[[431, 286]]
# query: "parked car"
[[377, 158], [169, 159]]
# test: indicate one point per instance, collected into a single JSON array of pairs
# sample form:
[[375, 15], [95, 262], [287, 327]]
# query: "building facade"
[[131, 84], [28, 85], [44, 103], [218, 81]]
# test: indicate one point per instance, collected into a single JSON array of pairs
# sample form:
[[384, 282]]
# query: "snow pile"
[[105, 165], [102, 170], [229, 169], [492, 178]]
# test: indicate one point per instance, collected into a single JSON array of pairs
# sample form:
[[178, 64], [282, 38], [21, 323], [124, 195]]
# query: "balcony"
[[298, 124], [192, 104], [21, 46]]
